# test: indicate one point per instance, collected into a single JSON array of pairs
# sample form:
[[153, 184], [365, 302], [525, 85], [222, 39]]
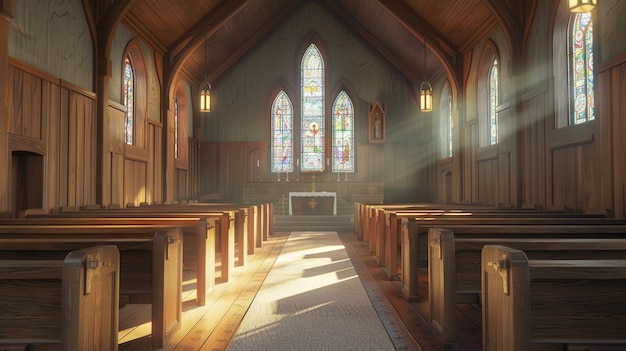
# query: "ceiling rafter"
[[387, 53], [204, 28], [441, 47], [511, 27], [258, 34]]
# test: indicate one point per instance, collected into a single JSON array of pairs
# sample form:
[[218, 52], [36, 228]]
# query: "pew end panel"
[[98, 290], [167, 275], [505, 308], [52, 304], [410, 267], [551, 302], [442, 284]]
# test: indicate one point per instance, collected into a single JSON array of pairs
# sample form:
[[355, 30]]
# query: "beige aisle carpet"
[[312, 299]]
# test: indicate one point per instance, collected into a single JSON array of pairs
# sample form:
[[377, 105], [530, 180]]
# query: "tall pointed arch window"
[[445, 128], [176, 129], [493, 101], [129, 100], [343, 134], [312, 138], [581, 68], [282, 134]]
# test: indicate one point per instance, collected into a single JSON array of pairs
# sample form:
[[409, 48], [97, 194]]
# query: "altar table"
[[311, 203]]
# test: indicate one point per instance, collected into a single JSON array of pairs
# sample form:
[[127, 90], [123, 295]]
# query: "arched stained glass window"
[[493, 102], [581, 68], [312, 139], [343, 134], [129, 100], [282, 134], [176, 118]]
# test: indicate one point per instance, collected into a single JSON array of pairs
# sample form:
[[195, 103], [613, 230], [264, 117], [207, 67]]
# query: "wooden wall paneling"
[[233, 158], [115, 147], [52, 131], [193, 164], [117, 179], [16, 101], [88, 106], [153, 155], [31, 107], [68, 148], [611, 109], [77, 124], [5, 103], [505, 174], [134, 181], [506, 146], [487, 181], [181, 189], [564, 183], [207, 168], [617, 112], [157, 187], [534, 148], [470, 167], [589, 169]]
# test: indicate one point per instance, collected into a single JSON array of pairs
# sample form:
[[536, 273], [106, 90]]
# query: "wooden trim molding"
[[487, 153], [573, 135], [23, 143]]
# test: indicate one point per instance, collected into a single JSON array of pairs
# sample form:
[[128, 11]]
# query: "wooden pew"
[[66, 304], [198, 238], [382, 223], [414, 248], [570, 304], [231, 221], [150, 262], [454, 267]]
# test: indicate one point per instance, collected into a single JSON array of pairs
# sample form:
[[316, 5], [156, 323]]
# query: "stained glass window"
[[493, 102], [176, 111], [581, 69], [312, 138], [282, 134], [129, 100], [343, 134]]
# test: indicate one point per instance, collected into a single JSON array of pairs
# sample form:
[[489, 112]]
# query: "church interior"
[[224, 125]]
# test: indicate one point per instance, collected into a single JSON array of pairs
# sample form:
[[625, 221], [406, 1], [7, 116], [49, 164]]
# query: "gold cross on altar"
[[312, 203]]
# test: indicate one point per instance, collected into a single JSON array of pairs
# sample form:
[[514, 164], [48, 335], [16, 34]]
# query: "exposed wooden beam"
[[372, 40], [258, 34], [510, 26], [441, 47], [205, 27]]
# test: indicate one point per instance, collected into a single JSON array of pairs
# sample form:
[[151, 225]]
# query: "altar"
[[313, 203]]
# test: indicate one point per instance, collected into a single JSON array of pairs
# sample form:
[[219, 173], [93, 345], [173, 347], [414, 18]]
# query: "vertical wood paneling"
[[617, 108], [534, 148], [117, 179], [487, 181], [504, 180], [153, 153], [157, 164]]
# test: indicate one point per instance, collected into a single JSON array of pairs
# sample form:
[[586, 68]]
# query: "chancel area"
[[462, 160]]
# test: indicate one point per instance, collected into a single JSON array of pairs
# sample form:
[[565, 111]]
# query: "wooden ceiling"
[[399, 29]]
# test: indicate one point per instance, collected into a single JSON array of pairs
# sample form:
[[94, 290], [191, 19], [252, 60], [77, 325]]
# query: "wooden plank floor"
[[211, 327]]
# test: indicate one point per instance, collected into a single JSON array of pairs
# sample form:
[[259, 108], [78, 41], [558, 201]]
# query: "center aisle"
[[312, 299]]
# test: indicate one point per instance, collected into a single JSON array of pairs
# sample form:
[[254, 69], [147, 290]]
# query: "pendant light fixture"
[[426, 90], [581, 5], [205, 93]]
